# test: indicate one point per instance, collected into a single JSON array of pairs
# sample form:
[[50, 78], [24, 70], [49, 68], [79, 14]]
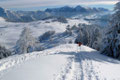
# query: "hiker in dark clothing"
[[79, 44]]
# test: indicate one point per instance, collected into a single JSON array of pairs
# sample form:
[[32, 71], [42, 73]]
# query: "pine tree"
[[4, 52], [68, 30], [112, 40], [47, 35], [26, 42]]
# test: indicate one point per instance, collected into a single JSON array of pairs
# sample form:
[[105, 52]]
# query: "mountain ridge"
[[28, 16]]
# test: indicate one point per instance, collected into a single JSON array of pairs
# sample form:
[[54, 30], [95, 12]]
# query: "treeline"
[[111, 45]]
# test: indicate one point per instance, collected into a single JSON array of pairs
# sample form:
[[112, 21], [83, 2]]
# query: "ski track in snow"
[[81, 65], [18, 59], [77, 69]]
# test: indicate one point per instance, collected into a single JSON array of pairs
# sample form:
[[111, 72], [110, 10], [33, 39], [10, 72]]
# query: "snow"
[[44, 67], [8, 29], [109, 72], [64, 62]]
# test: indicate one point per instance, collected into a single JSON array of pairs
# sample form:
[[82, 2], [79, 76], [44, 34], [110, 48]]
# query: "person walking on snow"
[[79, 46]]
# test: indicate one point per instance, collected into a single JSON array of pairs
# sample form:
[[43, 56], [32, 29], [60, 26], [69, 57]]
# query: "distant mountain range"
[[67, 11], [28, 16]]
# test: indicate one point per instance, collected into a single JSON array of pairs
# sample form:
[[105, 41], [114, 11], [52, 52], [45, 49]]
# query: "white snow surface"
[[10, 32], [64, 62]]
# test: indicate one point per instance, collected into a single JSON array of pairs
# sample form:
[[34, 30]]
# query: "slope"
[[8, 29], [65, 62]]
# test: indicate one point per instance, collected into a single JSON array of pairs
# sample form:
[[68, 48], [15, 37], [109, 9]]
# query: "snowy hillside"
[[65, 62], [8, 29]]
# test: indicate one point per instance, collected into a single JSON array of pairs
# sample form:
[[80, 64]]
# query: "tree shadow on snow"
[[93, 55]]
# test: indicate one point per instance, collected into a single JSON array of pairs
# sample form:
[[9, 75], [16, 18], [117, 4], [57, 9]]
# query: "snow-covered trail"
[[64, 62], [88, 64]]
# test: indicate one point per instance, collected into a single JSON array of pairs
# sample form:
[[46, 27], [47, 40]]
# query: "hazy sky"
[[42, 4]]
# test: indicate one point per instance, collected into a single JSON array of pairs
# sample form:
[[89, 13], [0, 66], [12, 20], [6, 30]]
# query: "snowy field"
[[65, 62], [10, 32]]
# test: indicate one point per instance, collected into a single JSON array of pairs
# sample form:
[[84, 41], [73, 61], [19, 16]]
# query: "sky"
[[43, 4]]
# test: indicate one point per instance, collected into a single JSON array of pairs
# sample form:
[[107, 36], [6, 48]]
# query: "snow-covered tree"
[[97, 39], [117, 6], [74, 27], [26, 42], [112, 40], [68, 30], [89, 35], [79, 37], [4, 52], [47, 35]]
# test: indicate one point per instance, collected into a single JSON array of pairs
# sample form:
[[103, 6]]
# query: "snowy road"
[[62, 63]]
